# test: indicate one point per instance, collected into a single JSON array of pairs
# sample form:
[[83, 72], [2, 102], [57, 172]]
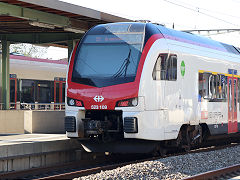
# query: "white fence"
[[36, 106]]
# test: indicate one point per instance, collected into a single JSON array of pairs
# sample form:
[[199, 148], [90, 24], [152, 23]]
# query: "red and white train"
[[133, 87], [36, 81]]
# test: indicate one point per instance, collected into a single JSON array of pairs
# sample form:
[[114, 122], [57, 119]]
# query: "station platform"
[[25, 151], [235, 178], [32, 121]]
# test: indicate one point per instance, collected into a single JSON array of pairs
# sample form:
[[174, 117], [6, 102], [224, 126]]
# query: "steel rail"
[[85, 172], [95, 170], [84, 164], [225, 173], [93, 165]]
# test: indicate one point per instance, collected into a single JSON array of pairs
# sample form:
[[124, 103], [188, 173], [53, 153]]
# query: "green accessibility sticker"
[[182, 68]]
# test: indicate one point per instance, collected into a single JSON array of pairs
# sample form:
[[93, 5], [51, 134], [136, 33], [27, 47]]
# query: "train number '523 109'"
[[98, 106]]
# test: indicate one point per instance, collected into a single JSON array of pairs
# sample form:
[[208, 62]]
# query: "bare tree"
[[28, 50]]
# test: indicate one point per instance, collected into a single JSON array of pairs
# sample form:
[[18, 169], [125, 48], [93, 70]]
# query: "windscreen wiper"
[[123, 69]]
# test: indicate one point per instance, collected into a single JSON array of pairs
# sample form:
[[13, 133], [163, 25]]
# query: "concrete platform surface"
[[31, 121], [238, 177], [25, 151], [30, 138]]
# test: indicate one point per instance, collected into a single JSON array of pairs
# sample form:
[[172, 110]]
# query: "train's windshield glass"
[[109, 55]]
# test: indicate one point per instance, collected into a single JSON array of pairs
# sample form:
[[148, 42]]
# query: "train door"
[[59, 91], [13, 91], [171, 91], [232, 105]]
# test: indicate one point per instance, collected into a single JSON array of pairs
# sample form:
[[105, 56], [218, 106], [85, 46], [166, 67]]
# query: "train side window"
[[159, 71], [239, 92], [218, 87], [223, 87], [203, 85], [172, 68], [212, 87], [165, 68], [200, 86]]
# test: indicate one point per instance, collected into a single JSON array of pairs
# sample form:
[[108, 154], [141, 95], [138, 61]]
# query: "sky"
[[184, 14]]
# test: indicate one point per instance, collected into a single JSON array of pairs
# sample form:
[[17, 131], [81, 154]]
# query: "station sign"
[[232, 71], [12, 75], [59, 79]]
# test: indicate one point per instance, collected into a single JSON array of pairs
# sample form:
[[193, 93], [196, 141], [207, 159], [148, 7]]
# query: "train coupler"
[[94, 127]]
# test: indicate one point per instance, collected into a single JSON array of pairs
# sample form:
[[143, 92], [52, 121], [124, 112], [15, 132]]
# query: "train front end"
[[102, 100]]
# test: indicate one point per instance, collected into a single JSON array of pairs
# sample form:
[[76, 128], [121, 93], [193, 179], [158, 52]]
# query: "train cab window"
[[165, 68]]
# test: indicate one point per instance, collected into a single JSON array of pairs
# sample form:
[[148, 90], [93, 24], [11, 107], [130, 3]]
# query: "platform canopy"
[[50, 22], [32, 21]]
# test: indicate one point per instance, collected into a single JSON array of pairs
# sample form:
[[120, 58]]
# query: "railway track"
[[85, 172], [94, 164], [89, 165], [224, 173]]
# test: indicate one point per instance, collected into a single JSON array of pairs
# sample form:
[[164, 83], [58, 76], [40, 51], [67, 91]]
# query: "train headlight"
[[74, 102], [134, 102], [127, 102], [71, 102]]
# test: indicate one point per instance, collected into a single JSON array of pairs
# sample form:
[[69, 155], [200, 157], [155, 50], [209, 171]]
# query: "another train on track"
[[36, 81], [138, 87]]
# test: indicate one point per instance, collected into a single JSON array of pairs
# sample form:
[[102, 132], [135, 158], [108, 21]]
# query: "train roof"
[[37, 69], [196, 40], [25, 58], [169, 34]]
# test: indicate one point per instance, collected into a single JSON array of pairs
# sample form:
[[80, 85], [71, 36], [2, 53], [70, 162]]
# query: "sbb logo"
[[98, 98]]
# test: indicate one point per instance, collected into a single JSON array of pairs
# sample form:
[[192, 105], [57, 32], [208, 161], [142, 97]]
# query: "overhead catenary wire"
[[237, 1], [210, 11], [206, 14]]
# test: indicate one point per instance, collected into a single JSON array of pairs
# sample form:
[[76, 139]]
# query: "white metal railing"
[[36, 106]]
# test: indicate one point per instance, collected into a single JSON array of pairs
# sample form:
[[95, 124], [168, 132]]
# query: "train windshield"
[[109, 55]]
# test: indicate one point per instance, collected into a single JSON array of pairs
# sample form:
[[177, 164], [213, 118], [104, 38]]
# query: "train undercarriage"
[[104, 132], [104, 126]]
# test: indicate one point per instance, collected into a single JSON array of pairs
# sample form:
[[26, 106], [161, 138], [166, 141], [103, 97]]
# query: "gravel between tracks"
[[175, 167]]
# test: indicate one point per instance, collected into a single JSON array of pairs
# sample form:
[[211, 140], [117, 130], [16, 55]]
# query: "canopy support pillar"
[[5, 75]]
